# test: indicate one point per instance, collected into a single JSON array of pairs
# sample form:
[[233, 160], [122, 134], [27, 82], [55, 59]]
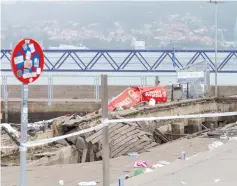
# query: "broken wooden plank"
[[196, 134], [136, 145], [97, 133], [143, 146], [123, 148], [160, 135], [117, 128], [55, 129], [128, 142], [45, 154], [78, 121], [14, 138], [93, 136], [116, 140], [175, 134], [91, 153], [128, 130], [99, 137], [118, 137], [121, 142], [229, 126], [84, 154], [127, 123]]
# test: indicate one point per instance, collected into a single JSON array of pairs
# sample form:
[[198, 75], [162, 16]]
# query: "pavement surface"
[[72, 174], [212, 168]]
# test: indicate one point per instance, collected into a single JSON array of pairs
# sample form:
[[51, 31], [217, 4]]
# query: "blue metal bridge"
[[129, 60]]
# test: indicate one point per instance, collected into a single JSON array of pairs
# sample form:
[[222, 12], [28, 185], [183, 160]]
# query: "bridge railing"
[[129, 60]]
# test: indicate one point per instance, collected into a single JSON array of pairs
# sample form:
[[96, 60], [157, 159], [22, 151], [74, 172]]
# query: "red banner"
[[128, 98], [159, 94], [135, 95]]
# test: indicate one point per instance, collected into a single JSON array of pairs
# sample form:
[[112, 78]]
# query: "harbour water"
[[122, 78]]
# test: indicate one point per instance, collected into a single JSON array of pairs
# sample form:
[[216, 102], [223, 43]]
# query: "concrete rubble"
[[124, 138]]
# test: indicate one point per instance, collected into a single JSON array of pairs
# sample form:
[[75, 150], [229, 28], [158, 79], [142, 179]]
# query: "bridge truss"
[[129, 60]]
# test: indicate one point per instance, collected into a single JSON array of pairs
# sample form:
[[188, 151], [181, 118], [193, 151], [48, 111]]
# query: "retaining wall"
[[88, 91], [39, 109], [67, 99]]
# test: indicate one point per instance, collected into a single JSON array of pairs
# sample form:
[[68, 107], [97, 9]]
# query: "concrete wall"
[[62, 91], [87, 91], [179, 108], [62, 156], [39, 110], [224, 90], [67, 99]]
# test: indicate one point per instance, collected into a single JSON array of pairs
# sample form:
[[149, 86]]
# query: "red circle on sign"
[[27, 60]]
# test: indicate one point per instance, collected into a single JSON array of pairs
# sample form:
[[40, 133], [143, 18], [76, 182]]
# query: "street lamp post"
[[216, 93], [216, 39]]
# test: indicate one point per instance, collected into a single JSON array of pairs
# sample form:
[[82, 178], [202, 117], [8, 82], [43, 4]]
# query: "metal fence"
[[128, 60], [57, 86], [196, 79]]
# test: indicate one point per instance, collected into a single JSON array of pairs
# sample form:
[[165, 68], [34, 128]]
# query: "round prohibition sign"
[[27, 60]]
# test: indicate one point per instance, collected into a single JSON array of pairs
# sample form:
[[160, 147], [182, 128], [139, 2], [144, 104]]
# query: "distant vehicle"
[[139, 45], [63, 46]]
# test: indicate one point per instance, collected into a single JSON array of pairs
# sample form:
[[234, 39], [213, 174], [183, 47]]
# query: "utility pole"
[[105, 133]]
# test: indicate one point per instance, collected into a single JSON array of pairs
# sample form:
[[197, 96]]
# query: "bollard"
[[183, 155], [121, 180], [212, 127]]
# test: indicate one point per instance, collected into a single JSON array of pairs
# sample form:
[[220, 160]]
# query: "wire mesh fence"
[[195, 79]]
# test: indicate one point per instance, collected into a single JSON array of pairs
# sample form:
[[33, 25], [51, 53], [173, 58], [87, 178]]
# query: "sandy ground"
[[74, 173]]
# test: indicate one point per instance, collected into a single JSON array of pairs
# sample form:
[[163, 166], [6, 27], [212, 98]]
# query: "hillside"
[[118, 24]]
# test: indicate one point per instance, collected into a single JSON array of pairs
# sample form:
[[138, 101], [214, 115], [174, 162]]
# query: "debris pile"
[[124, 138], [226, 132]]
